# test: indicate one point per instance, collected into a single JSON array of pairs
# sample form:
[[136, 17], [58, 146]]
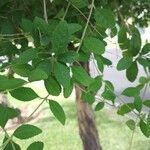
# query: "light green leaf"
[[57, 111], [26, 131], [131, 124], [138, 103], [126, 108], [131, 92]]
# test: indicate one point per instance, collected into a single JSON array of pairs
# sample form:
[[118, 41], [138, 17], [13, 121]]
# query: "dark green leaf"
[[93, 45], [81, 76], [62, 74], [80, 3], [144, 129], [124, 63], [36, 146], [22, 70], [132, 72], [73, 28], [27, 56], [68, 57], [26, 131], [96, 84], [138, 103], [60, 38], [52, 86], [7, 113], [99, 106], [57, 111], [135, 42], [37, 74], [145, 49], [105, 18], [24, 94]]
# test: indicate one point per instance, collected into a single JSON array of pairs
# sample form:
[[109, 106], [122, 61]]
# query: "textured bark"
[[87, 125]]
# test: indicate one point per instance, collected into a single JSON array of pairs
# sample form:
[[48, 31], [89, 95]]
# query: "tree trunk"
[[86, 120]]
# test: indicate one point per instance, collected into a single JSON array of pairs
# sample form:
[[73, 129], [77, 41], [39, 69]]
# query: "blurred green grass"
[[114, 134]]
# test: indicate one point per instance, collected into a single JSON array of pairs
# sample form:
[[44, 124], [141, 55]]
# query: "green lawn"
[[114, 134]]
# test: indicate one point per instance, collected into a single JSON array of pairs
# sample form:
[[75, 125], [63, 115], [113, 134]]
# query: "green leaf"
[[96, 84], [145, 62], [144, 80], [7, 84], [74, 27], [57, 111], [60, 37], [124, 63], [41, 25], [131, 124], [67, 91], [105, 18], [99, 106], [52, 86], [126, 108], [105, 61], [81, 76], [36, 146], [24, 94], [27, 26], [132, 72], [147, 103], [122, 38], [100, 63], [37, 74], [11, 145], [138, 103], [88, 97], [80, 3], [135, 42], [22, 70], [27, 56], [131, 92], [7, 113], [62, 74], [26, 131], [144, 129], [93, 45], [68, 57], [145, 49]]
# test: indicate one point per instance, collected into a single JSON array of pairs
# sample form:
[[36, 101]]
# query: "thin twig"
[[45, 11], [66, 11], [87, 23]]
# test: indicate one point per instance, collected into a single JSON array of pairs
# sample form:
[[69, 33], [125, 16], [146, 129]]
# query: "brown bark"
[[87, 125]]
